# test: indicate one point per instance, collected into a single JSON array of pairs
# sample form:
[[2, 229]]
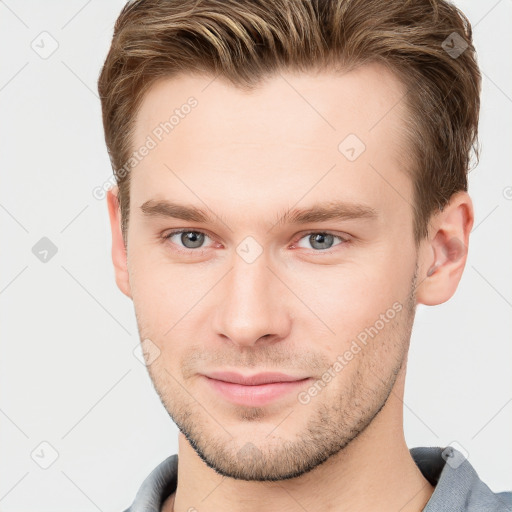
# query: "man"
[[291, 183]]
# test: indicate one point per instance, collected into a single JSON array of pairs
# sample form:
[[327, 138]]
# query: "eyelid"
[[343, 237], [167, 236]]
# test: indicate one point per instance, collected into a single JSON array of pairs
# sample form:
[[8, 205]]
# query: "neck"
[[373, 472]]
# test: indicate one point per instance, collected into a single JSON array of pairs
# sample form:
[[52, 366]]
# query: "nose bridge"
[[251, 306]]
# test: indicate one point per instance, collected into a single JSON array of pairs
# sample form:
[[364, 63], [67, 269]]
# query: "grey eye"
[[192, 239], [187, 239], [320, 241]]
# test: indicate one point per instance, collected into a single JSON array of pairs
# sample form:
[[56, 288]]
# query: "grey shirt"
[[457, 485]]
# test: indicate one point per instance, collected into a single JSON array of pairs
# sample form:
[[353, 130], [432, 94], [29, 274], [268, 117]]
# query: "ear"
[[443, 254], [119, 253]]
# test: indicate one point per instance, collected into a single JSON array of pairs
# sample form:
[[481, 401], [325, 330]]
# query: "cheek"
[[154, 279], [171, 303], [362, 306], [157, 294], [348, 296]]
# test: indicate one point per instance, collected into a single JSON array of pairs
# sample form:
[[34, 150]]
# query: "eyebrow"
[[333, 210]]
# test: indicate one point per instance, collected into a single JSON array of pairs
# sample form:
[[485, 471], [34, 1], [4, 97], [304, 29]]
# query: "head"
[[315, 154]]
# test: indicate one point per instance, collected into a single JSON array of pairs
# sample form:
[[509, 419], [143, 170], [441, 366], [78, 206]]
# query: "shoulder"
[[457, 485], [156, 487]]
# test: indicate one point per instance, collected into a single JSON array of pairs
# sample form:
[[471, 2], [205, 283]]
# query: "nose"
[[252, 305]]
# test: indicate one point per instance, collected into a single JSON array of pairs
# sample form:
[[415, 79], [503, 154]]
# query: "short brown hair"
[[426, 43]]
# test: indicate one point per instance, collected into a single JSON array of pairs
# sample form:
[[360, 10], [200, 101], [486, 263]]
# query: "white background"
[[68, 375]]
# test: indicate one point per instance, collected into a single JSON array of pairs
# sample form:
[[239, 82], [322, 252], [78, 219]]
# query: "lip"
[[255, 390], [253, 380]]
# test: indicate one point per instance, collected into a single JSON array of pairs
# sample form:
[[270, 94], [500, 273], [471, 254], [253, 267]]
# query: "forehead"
[[301, 107], [278, 138]]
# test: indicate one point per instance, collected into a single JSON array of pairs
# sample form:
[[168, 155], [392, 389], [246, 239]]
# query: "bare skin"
[[247, 158]]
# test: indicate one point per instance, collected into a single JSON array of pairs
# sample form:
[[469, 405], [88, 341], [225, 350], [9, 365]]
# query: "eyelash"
[[167, 237]]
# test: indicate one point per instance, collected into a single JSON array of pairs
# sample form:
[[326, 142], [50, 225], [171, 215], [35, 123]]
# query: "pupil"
[[192, 239], [324, 240]]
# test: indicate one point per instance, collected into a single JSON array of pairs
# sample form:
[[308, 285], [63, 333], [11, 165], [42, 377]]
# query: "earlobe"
[[119, 253], [444, 254]]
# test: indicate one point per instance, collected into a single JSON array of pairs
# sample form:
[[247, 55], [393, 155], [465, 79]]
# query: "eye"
[[321, 240], [186, 238]]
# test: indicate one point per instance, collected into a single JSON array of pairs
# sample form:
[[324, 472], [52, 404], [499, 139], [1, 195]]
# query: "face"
[[302, 262]]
